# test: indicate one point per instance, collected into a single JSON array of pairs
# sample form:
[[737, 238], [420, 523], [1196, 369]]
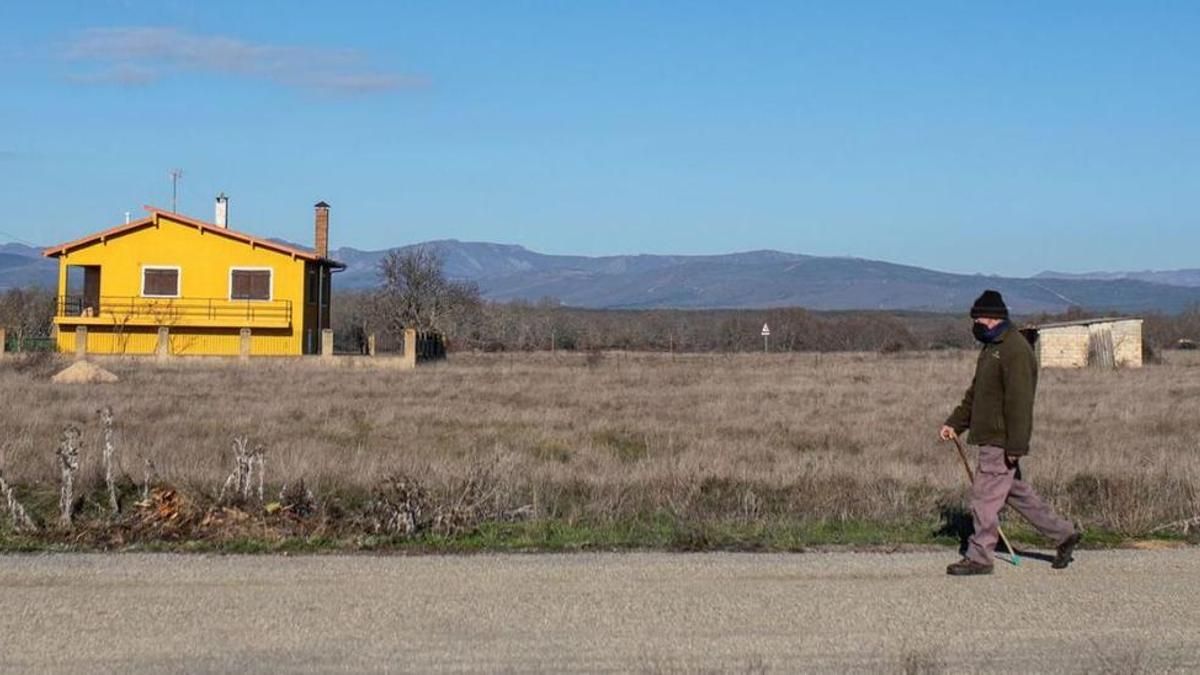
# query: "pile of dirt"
[[83, 372]]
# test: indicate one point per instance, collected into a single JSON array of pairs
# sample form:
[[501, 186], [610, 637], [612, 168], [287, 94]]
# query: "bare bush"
[[68, 459], [21, 522], [106, 422], [478, 497], [247, 463], [1173, 330], [400, 507], [149, 474], [298, 499]]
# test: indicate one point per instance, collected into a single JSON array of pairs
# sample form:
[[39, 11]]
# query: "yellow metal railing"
[[175, 311]]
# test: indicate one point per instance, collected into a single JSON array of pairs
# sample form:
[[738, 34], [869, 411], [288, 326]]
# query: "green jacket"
[[998, 407]]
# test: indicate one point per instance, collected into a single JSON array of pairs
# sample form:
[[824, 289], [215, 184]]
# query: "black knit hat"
[[989, 306]]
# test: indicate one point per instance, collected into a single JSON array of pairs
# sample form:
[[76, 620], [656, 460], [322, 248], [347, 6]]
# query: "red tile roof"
[[153, 218]]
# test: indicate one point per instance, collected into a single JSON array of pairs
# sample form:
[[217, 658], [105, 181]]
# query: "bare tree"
[[26, 313], [415, 293]]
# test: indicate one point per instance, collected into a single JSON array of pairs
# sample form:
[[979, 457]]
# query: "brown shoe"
[[966, 567], [1062, 555]]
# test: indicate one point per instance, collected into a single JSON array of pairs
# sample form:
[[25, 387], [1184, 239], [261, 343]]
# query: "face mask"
[[986, 335], [980, 331]]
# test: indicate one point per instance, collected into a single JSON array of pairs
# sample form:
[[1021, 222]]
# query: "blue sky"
[[998, 137]]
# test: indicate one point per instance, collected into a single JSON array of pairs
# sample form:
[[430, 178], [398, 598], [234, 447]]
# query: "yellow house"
[[169, 284]]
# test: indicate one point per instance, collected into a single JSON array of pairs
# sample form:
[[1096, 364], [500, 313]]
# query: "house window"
[[160, 282], [249, 284]]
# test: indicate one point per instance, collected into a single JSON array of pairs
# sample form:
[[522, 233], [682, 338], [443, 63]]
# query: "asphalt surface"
[[1115, 611]]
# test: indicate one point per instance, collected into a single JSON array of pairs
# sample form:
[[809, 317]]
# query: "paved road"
[[1117, 611]]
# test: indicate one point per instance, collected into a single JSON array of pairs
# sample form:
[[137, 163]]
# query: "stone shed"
[[1111, 342]]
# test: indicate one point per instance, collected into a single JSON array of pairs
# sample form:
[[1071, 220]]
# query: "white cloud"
[[142, 55]]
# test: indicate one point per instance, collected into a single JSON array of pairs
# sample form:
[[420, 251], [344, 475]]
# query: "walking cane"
[[962, 454]]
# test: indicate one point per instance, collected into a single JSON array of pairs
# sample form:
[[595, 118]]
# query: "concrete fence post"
[[326, 343], [244, 343], [81, 342], [371, 345], [163, 348], [410, 348], [3, 337]]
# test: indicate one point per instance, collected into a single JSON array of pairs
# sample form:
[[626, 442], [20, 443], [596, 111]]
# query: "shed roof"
[[1087, 322], [156, 213]]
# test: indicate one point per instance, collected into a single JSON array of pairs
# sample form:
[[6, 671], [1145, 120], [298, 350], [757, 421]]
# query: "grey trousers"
[[995, 485]]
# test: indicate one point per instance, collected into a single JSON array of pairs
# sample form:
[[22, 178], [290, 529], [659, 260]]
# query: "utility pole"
[[176, 174]]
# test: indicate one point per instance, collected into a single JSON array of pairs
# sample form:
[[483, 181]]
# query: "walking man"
[[998, 409]]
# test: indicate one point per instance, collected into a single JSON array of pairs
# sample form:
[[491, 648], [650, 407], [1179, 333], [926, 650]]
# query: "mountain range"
[[22, 265], [752, 279], [1188, 277]]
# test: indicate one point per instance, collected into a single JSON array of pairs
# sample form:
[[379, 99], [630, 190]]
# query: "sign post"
[[766, 333]]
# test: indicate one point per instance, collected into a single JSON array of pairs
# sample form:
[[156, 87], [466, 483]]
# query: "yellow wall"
[[141, 340], [205, 260]]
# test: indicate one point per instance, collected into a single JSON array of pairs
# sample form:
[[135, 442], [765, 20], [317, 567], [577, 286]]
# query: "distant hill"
[[1186, 277], [22, 265], [754, 279], [757, 279], [21, 250]]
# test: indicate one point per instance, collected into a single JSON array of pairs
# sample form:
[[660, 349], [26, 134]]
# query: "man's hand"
[[947, 433]]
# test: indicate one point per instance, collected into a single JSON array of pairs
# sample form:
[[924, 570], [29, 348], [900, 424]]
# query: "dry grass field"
[[737, 441]]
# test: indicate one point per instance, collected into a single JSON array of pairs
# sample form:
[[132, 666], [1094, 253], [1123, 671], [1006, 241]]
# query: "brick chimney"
[[321, 243]]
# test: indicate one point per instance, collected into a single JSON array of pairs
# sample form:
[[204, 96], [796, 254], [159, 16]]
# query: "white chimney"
[[222, 219]]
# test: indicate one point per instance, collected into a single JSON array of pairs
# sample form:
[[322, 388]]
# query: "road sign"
[[766, 330]]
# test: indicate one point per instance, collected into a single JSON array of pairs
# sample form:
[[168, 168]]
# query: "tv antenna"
[[176, 174]]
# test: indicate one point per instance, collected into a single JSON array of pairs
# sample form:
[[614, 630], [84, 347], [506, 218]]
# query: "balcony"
[[76, 310]]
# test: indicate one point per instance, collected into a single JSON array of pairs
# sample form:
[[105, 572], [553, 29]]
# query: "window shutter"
[[251, 285], [241, 286], [160, 282], [260, 285]]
